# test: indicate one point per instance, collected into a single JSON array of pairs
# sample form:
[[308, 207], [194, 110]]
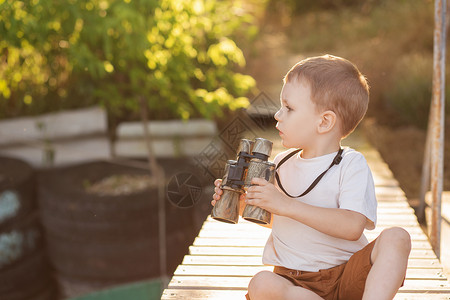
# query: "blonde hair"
[[337, 85]]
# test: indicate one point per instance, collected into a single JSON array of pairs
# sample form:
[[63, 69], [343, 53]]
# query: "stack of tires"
[[97, 241], [24, 268]]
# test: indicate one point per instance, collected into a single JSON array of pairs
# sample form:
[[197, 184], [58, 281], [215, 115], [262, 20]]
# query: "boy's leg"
[[268, 285], [389, 262]]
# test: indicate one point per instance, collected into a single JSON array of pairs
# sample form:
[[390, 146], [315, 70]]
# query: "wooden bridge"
[[224, 257]]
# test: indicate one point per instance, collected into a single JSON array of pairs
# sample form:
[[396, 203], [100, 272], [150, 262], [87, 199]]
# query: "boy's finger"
[[253, 195], [218, 182], [259, 181], [218, 190], [253, 188]]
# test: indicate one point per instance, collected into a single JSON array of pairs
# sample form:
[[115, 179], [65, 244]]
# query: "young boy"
[[317, 245]]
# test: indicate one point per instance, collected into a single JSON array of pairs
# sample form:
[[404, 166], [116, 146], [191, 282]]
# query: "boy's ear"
[[327, 121]]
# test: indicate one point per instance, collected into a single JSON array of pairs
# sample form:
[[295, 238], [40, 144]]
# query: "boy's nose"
[[277, 115]]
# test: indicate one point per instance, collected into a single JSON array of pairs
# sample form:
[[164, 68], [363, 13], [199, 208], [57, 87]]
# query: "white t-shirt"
[[348, 185]]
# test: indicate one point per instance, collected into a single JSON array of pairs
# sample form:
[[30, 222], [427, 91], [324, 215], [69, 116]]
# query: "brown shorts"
[[346, 281]]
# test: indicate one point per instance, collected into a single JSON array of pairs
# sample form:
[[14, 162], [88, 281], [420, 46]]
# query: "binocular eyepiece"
[[252, 162]]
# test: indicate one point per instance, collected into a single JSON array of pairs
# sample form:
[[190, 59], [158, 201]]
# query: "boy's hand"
[[265, 195], [217, 191]]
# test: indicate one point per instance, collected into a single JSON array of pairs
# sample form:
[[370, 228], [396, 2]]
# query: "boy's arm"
[[339, 223]]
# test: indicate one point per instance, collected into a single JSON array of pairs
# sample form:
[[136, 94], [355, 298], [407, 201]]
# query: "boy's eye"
[[288, 108]]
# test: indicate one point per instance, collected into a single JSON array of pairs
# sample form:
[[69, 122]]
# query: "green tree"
[[180, 56]]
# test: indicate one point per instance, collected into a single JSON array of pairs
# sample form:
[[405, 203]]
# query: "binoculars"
[[252, 162]]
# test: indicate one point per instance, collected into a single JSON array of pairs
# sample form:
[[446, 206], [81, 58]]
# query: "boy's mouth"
[[279, 131]]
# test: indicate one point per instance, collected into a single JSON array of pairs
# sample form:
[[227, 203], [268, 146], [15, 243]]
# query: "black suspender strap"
[[337, 159]]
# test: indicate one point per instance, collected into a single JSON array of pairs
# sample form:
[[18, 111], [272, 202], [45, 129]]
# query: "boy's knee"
[[260, 284], [260, 280], [396, 237]]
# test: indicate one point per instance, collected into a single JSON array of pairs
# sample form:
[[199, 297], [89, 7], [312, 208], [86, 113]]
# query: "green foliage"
[[410, 93], [374, 26], [178, 55], [411, 90], [296, 7]]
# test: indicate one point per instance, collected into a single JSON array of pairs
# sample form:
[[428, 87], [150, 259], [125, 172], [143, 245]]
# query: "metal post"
[[425, 184], [437, 132]]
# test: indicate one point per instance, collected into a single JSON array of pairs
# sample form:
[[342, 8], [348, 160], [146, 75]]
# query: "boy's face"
[[297, 117]]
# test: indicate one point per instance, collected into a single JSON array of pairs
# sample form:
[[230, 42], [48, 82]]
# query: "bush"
[[301, 6], [409, 95], [180, 56]]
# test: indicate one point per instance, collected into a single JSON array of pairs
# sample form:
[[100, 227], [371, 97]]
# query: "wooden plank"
[[233, 234], [414, 236], [392, 204], [423, 286], [260, 242], [384, 223], [241, 283], [252, 242], [388, 221], [249, 231], [220, 270], [385, 196], [243, 234], [222, 260], [380, 219], [187, 294], [197, 270], [257, 251], [382, 180], [237, 251], [257, 261], [395, 192], [383, 210], [403, 214], [211, 282], [412, 230], [59, 125], [421, 296], [247, 234], [399, 218]]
